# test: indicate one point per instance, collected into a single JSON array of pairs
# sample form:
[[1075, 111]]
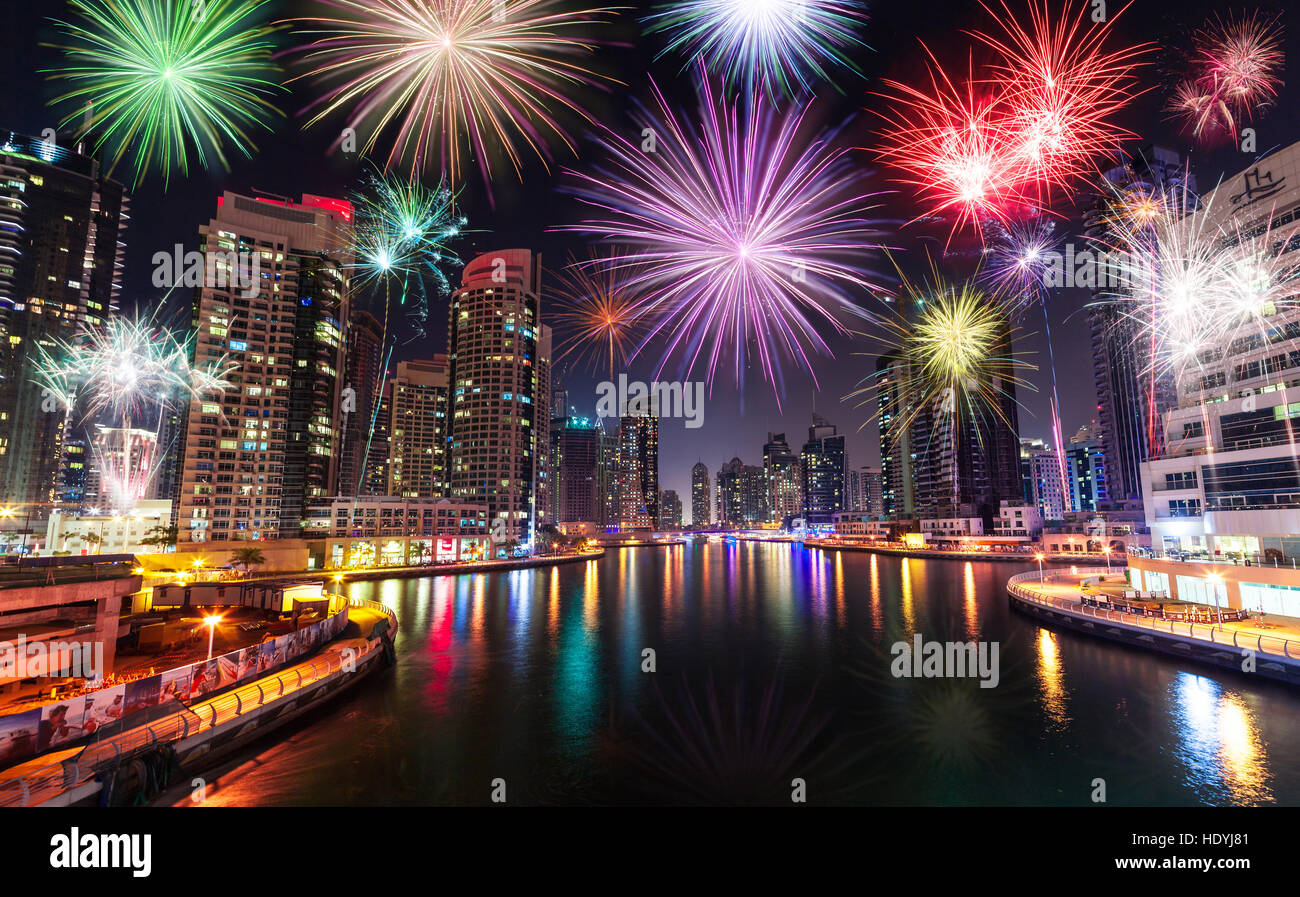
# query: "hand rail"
[[48, 781], [1276, 647]]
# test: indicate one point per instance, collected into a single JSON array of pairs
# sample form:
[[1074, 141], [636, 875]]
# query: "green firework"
[[159, 79]]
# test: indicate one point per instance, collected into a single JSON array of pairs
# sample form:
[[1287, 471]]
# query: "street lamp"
[[211, 622], [1107, 550], [1039, 557]]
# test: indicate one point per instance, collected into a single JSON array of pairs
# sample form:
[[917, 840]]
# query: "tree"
[[94, 539], [248, 557], [162, 535]]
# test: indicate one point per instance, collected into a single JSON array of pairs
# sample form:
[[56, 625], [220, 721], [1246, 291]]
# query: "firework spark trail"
[[595, 313], [1234, 72], [957, 349], [740, 237], [152, 78], [1199, 281], [1034, 121], [452, 75], [1019, 260], [119, 371], [765, 46]]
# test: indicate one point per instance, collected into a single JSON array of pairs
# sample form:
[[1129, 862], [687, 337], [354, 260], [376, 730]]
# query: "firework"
[[741, 238], [120, 373], [1197, 280], [767, 45], [155, 78], [956, 355], [402, 230], [993, 144], [452, 76], [1233, 73], [598, 317]]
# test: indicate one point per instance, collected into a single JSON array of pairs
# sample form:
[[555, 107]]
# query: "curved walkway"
[[1059, 591]]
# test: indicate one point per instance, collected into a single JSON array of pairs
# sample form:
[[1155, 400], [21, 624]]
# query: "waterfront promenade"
[[69, 776], [1058, 596]]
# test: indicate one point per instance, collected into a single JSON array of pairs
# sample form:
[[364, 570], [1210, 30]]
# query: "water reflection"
[[1220, 748], [525, 675]]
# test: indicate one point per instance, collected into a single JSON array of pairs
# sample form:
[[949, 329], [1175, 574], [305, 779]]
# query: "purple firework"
[[740, 236]]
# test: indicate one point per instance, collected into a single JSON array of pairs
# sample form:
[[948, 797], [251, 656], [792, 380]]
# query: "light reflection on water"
[[536, 676]]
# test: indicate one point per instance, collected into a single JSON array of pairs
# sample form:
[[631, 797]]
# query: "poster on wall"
[[18, 733], [176, 684], [227, 669], [103, 708], [143, 694], [60, 723]]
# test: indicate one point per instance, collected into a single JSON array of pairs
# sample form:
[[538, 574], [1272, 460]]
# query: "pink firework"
[[1234, 73], [1035, 120], [1064, 88]]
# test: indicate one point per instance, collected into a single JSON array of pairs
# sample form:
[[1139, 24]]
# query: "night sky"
[[290, 161]]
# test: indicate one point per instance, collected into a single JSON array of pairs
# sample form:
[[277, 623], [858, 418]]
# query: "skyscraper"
[[823, 467], [869, 491], [781, 468], [62, 223], [417, 398], [742, 494], [576, 462], [362, 390], [497, 419], [1085, 466], [1132, 392], [1040, 474], [638, 471], [255, 455], [897, 485], [700, 495], [670, 510]]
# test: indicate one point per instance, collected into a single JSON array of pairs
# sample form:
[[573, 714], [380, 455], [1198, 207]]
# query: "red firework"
[[1234, 73], [1037, 119]]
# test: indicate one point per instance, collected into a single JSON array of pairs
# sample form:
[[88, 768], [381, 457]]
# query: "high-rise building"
[[498, 418], [866, 491], [897, 483], [966, 456], [1085, 465], [638, 471], [254, 456], [1040, 476], [1228, 483], [742, 494], [608, 493], [417, 396], [62, 225], [1133, 391], [670, 510], [822, 464], [544, 491], [781, 467], [576, 474], [363, 457], [700, 495]]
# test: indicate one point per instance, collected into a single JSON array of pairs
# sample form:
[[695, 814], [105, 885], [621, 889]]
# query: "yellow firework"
[[954, 349]]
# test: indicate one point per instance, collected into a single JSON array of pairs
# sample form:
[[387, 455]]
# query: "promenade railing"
[[46, 782], [1018, 585]]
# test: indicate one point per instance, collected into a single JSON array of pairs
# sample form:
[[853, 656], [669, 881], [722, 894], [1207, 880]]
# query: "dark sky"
[[291, 161]]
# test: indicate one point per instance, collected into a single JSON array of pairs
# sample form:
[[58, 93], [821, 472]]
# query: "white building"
[[1229, 484], [1018, 522], [108, 532]]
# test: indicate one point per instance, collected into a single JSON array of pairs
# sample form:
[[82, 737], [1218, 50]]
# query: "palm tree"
[[162, 535], [248, 557], [93, 539]]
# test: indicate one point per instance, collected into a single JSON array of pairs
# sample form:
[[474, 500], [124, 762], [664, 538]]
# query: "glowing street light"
[[1039, 557], [211, 622], [1107, 550]]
